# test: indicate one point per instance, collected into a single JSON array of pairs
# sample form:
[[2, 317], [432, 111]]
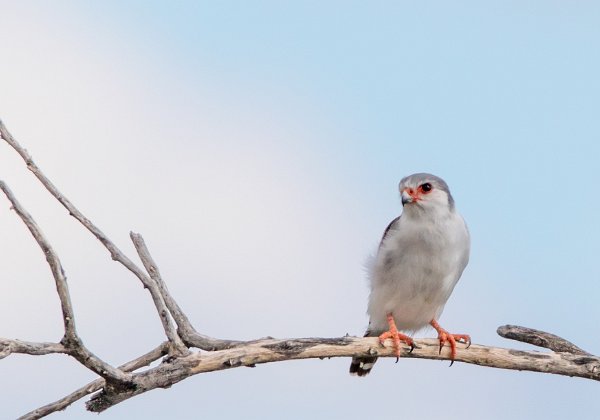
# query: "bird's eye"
[[426, 187]]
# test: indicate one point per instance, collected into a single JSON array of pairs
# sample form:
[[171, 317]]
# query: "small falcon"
[[421, 256]]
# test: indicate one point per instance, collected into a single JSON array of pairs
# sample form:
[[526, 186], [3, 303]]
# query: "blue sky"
[[257, 146]]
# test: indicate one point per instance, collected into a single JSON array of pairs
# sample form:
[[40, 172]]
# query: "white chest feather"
[[416, 268]]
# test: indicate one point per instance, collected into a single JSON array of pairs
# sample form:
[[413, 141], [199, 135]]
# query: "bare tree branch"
[[186, 330], [71, 341], [268, 351], [540, 339], [169, 302], [115, 252], [51, 257], [117, 385], [8, 347], [96, 385]]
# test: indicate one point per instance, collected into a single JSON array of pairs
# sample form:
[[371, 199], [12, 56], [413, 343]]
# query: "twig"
[[96, 385], [71, 341], [540, 339], [8, 347], [191, 337], [51, 257], [169, 302]]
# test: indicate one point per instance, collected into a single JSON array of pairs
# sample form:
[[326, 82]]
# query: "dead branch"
[[540, 339], [271, 350], [96, 385], [115, 252], [185, 328], [8, 347], [71, 341], [119, 384]]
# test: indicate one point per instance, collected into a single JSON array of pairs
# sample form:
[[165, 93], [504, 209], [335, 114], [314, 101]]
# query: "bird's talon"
[[444, 336], [396, 337]]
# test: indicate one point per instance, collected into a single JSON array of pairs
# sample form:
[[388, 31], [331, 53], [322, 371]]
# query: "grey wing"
[[361, 366], [392, 224]]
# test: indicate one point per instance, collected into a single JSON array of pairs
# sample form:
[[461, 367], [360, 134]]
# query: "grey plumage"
[[420, 258]]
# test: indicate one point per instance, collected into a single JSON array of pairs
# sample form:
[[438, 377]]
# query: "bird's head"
[[425, 193]]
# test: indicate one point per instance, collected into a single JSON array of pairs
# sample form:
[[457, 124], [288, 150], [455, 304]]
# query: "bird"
[[420, 258]]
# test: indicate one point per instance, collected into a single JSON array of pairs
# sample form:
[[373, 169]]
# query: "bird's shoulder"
[[392, 225]]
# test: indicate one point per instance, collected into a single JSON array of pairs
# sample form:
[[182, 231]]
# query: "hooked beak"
[[408, 196]]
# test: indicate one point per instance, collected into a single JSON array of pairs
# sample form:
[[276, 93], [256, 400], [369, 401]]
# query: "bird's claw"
[[396, 337], [444, 336], [468, 342]]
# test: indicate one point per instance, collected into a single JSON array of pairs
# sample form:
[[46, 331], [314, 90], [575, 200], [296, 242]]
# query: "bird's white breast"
[[415, 270]]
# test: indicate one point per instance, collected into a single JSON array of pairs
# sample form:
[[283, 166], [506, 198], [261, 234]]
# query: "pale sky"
[[257, 147]]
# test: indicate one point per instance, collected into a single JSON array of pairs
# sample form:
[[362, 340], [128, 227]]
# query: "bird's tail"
[[361, 366]]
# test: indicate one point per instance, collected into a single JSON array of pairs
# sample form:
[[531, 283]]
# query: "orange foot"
[[396, 337], [444, 336]]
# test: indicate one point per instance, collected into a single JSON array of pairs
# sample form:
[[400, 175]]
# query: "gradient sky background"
[[257, 146]]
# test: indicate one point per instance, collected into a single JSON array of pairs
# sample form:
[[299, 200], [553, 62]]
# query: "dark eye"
[[426, 187]]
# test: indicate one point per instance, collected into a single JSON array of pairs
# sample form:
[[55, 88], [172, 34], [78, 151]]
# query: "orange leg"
[[444, 336], [396, 337]]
